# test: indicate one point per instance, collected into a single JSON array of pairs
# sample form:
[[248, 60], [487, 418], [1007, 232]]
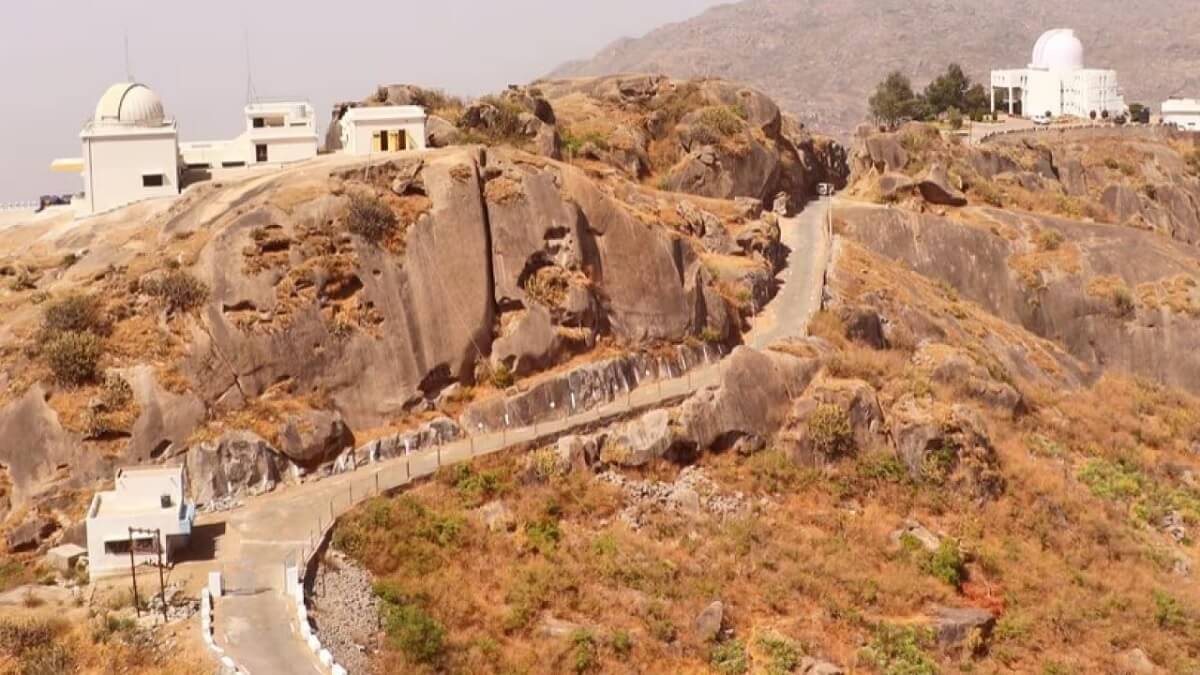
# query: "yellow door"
[[394, 137], [376, 142]]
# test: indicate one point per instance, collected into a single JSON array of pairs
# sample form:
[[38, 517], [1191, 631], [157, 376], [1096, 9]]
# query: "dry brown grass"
[[503, 190], [1038, 266]]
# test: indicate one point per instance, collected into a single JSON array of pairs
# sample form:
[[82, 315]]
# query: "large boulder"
[[958, 369], [35, 446], [30, 533], [530, 344], [950, 448], [444, 263], [936, 188], [237, 464], [166, 420], [953, 625], [709, 622], [312, 437], [440, 133], [707, 227], [884, 153], [752, 400], [893, 186], [640, 441], [857, 406]]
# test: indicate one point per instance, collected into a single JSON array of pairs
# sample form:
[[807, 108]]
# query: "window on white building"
[[153, 180]]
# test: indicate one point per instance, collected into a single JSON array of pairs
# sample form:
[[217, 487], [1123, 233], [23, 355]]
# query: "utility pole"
[[133, 575], [162, 584]]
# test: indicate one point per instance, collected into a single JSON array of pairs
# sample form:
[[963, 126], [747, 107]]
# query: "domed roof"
[[130, 103], [1058, 49]]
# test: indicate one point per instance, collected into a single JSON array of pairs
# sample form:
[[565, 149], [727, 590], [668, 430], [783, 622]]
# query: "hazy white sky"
[[58, 56]]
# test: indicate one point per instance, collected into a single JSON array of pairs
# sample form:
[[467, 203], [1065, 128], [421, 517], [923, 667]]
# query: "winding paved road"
[[257, 625]]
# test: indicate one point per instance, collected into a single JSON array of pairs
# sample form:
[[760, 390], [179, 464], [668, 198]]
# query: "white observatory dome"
[[129, 103], [1058, 49]]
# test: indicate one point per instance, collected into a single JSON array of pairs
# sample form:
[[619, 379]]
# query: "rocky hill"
[[260, 326], [1087, 237], [982, 459], [822, 58]]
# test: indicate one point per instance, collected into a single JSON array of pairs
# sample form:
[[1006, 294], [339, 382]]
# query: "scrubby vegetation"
[[177, 289], [74, 358], [370, 219]]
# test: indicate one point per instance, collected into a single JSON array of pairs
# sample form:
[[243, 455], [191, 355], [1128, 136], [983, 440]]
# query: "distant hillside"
[[821, 58]]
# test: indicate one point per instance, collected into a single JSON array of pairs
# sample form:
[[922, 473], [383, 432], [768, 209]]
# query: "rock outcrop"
[[235, 465]]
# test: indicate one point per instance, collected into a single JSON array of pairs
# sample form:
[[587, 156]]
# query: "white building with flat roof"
[[130, 150], [369, 130], [1056, 83], [1182, 112], [143, 498], [276, 133]]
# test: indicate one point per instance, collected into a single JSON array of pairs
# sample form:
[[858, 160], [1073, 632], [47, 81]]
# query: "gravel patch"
[[692, 494], [345, 612]]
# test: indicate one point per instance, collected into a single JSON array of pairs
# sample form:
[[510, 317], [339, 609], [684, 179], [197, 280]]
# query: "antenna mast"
[[250, 93], [128, 69]]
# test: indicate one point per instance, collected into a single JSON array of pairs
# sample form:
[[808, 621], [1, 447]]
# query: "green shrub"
[[900, 650], [1168, 613], [621, 643], [583, 651], [783, 654], [573, 143], [414, 632], [543, 535], [370, 219], [1112, 480], [74, 314], [178, 289], [830, 432], [947, 563], [74, 358], [724, 120], [473, 487], [729, 658]]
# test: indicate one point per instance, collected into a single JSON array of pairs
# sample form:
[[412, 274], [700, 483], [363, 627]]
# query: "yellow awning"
[[69, 165]]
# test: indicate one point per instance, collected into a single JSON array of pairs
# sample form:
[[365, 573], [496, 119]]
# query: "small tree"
[[893, 99], [976, 102], [1104, 114], [1092, 114], [948, 90], [1139, 113]]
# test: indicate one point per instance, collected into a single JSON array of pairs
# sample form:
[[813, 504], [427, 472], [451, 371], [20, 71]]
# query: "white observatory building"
[[1056, 82], [130, 150]]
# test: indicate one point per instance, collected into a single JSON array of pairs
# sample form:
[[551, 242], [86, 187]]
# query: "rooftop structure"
[[377, 129], [1056, 83], [143, 498]]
